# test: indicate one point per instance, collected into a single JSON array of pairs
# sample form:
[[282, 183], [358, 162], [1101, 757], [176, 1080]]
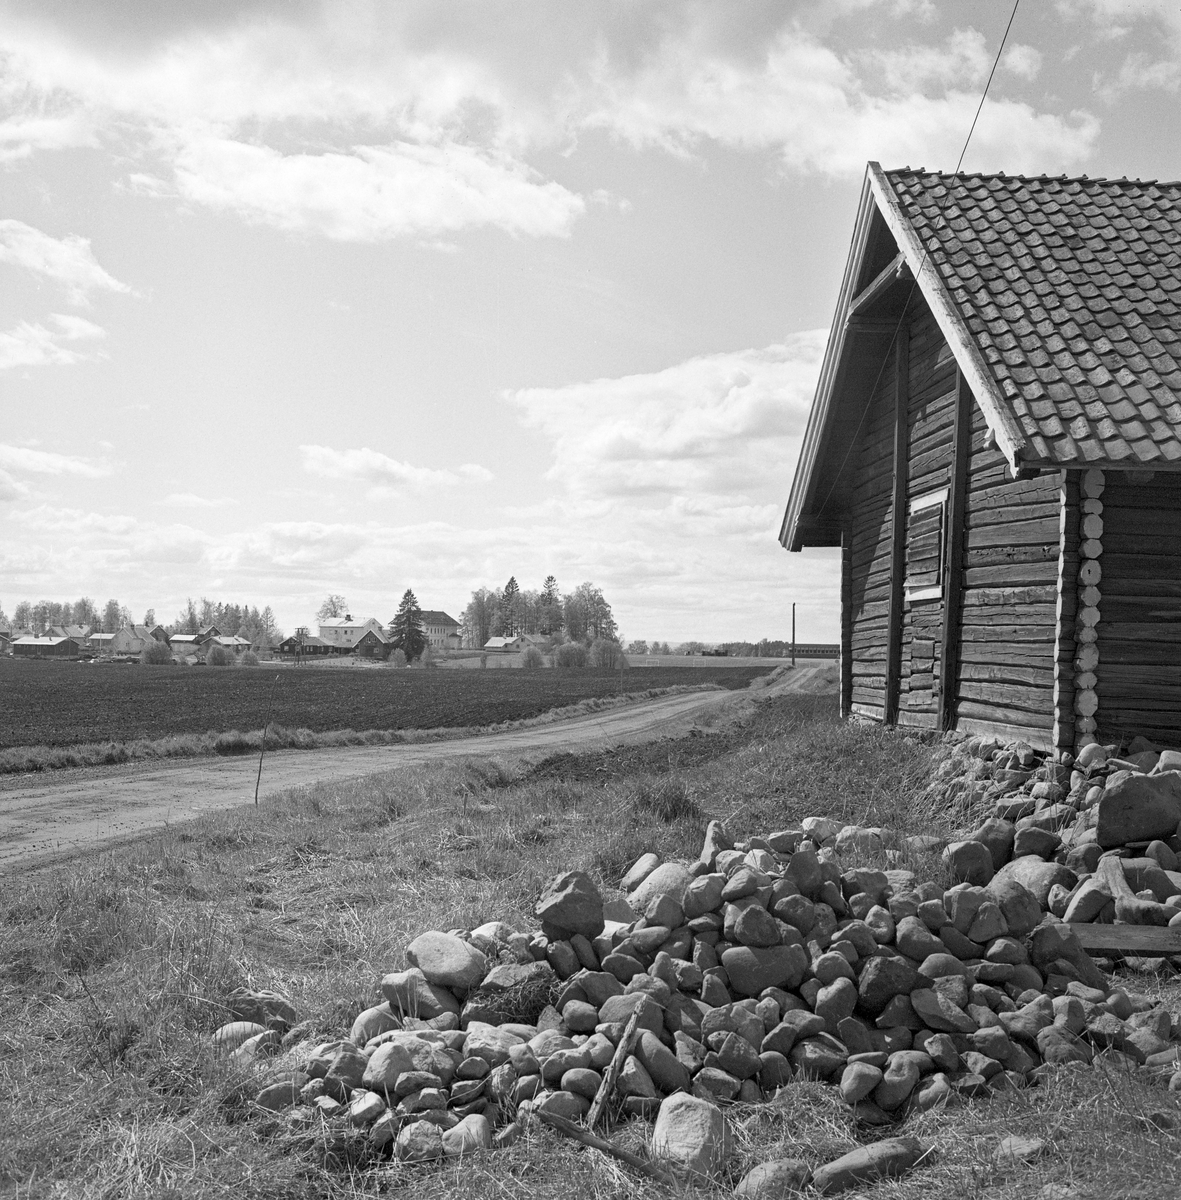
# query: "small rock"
[[447, 961], [420, 1141], [1017, 1149], [969, 862], [774, 1180], [887, 1159]]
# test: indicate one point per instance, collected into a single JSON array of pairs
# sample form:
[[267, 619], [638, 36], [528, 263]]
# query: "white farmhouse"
[[345, 633]]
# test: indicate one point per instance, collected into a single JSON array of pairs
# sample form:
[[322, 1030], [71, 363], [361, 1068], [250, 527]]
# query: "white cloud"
[[44, 462], [381, 472], [68, 261], [1022, 61], [373, 193], [710, 425], [11, 489], [32, 344], [367, 122], [192, 500]]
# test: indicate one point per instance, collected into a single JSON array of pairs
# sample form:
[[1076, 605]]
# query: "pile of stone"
[[1096, 839], [759, 965]]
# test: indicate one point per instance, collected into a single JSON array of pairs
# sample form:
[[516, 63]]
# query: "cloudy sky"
[[301, 297]]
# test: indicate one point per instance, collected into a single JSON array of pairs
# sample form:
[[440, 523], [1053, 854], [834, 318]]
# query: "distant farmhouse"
[[344, 632], [45, 647], [505, 645], [442, 631]]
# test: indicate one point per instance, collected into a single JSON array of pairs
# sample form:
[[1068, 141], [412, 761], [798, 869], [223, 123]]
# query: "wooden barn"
[[995, 446]]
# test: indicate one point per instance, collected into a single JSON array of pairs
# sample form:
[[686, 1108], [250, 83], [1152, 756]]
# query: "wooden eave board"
[[1135, 941], [818, 441]]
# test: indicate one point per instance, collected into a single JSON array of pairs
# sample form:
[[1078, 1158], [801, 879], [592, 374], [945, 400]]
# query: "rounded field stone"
[[447, 961], [752, 969], [774, 1180]]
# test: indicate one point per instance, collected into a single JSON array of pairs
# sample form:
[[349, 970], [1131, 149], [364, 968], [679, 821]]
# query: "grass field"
[[112, 973], [62, 704]]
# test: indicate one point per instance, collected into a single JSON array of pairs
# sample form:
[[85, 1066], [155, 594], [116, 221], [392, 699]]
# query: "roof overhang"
[[847, 379]]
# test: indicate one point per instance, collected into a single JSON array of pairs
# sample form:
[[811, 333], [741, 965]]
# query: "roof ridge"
[[895, 172]]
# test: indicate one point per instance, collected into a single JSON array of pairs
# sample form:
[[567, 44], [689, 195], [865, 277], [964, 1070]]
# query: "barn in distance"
[[995, 445]]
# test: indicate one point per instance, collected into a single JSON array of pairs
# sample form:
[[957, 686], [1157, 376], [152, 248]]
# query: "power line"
[[923, 262]]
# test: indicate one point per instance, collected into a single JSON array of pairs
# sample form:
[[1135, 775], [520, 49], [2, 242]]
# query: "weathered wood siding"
[[869, 549], [930, 416], [1140, 610], [1005, 680]]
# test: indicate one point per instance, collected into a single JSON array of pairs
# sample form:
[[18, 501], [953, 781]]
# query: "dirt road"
[[63, 814]]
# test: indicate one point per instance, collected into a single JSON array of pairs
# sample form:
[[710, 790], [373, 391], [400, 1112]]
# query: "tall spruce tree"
[[406, 633]]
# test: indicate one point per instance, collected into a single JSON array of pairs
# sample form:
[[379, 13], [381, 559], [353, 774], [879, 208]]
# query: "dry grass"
[[113, 971]]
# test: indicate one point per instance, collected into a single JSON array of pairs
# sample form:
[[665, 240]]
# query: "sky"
[[299, 298]]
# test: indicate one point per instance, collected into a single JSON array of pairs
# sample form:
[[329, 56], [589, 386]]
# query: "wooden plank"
[[1136, 941], [898, 523], [846, 624], [1039, 739], [1024, 696], [953, 583]]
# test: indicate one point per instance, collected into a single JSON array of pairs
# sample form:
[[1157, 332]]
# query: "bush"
[[570, 655], [249, 659], [607, 655], [398, 659], [156, 654], [218, 656], [532, 658]]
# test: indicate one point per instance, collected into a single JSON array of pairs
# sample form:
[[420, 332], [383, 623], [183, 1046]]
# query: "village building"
[[80, 633], [100, 643], [373, 643], [995, 446], [45, 647], [184, 643], [442, 631], [131, 640], [505, 645], [344, 632], [233, 644]]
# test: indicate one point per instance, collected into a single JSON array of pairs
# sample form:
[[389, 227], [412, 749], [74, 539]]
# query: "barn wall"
[[869, 550], [1005, 678], [930, 418], [1139, 684]]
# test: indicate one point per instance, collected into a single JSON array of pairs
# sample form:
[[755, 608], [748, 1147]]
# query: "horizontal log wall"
[[1009, 618], [929, 434], [1139, 684]]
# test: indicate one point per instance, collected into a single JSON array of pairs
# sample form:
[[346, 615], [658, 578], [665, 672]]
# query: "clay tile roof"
[[1071, 289]]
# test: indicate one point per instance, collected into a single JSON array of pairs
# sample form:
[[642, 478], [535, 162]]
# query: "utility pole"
[[793, 633]]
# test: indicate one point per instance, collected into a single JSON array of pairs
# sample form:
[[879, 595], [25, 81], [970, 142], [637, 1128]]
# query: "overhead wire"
[[922, 263]]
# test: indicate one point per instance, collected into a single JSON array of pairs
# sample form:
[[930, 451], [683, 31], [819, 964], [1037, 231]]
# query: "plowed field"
[[62, 704]]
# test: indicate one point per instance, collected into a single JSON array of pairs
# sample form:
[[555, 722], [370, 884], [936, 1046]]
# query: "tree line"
[[582, 615], [234, 620]]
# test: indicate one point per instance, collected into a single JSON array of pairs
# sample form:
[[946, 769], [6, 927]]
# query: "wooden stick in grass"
[[611, 1074], [597, 1143]]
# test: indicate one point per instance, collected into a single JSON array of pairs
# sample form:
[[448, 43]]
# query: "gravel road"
[[56, 815]]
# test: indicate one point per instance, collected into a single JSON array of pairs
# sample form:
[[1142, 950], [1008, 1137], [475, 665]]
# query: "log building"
[[995, 446]]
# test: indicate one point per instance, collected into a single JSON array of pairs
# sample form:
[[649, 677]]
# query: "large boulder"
[[1018, 905], [572, 904], [1138, 808], [447, 961], [882, 978], [1037, 876], [693, 1134], [969, 861], [669, 879], [753, 969]]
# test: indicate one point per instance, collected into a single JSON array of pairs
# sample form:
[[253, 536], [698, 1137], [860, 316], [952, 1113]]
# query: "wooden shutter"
[[924, 546]]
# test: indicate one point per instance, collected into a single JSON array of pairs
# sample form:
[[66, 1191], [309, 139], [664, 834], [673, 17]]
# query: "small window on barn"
[[924, 546]]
